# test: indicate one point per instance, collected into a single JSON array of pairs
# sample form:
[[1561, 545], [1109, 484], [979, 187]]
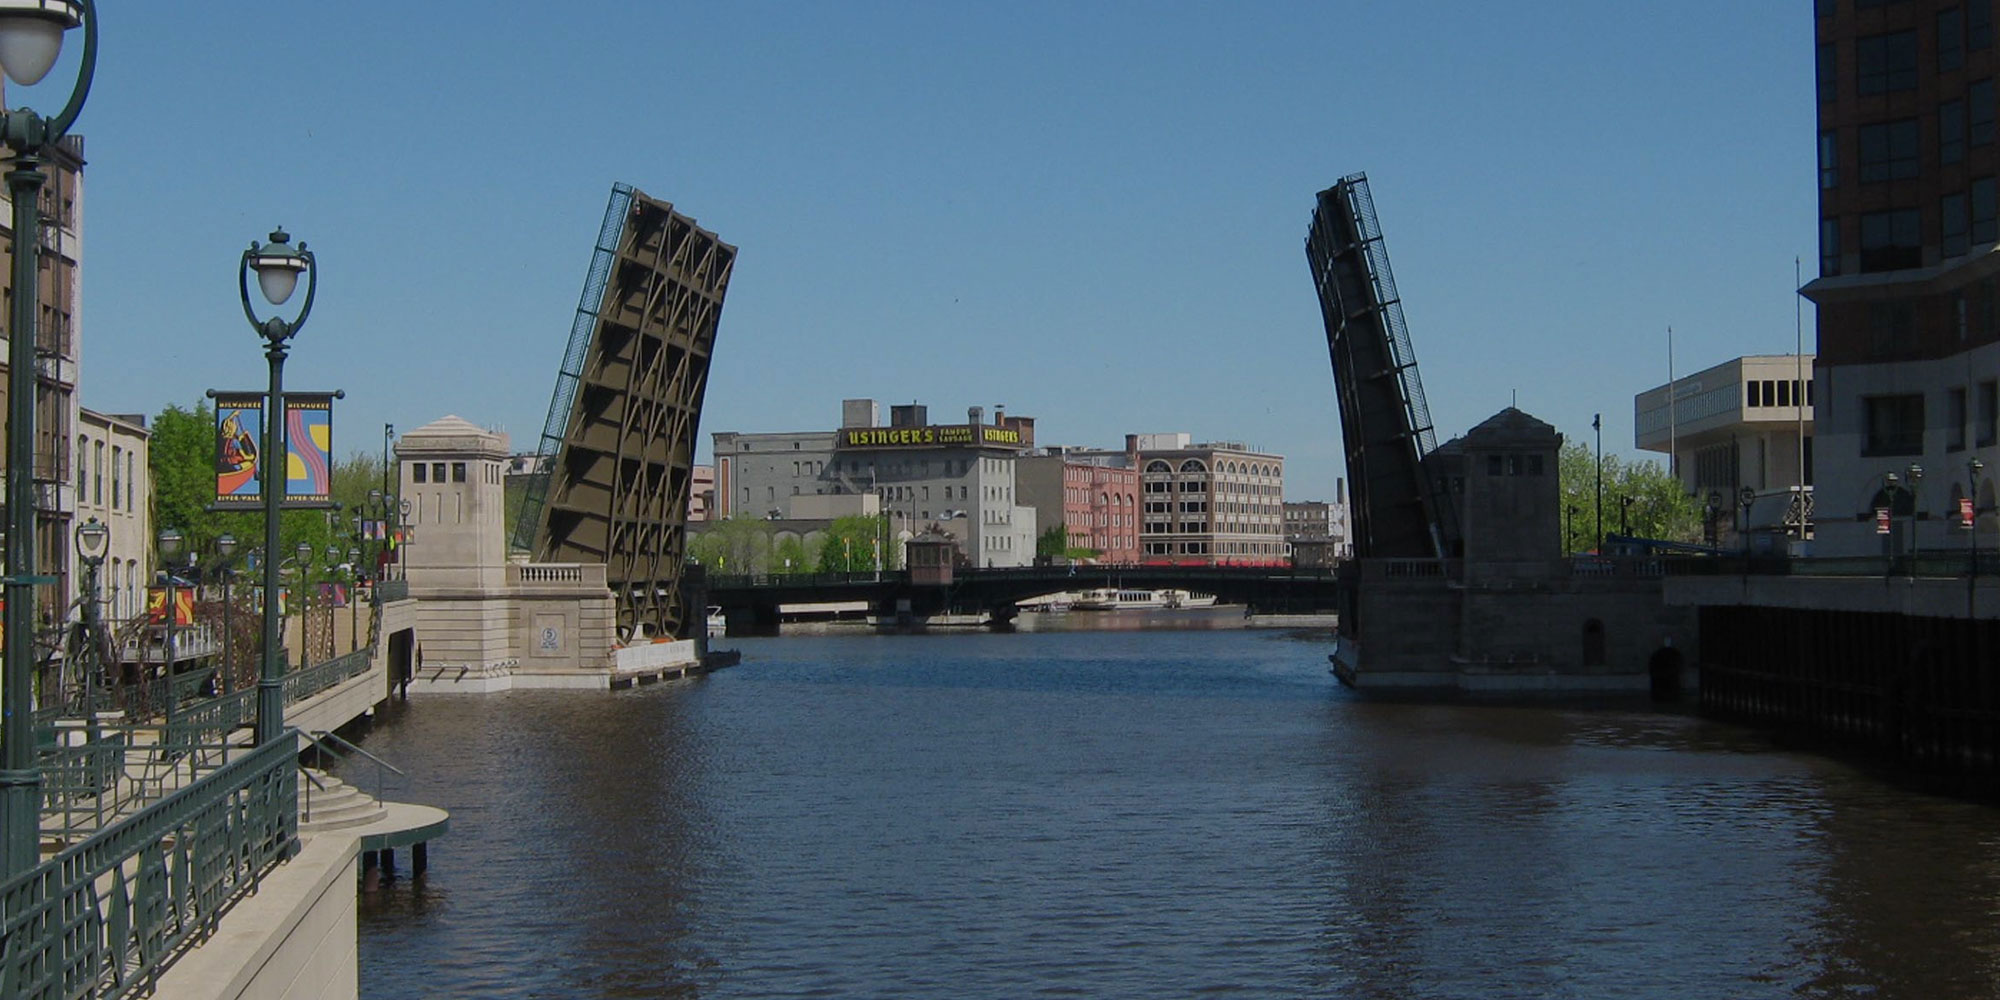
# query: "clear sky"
[[1093, 213]]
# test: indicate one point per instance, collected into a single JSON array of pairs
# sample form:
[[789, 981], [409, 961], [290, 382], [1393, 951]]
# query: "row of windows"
[[1078, 497], [1103, 521], [1893, 240], [124, 488], [1202, 528], [1775, 392], [1158, 466], [1887, 63], [1894, 424], [1202, 548], [1203, 486], [1892, 151], [1514, 465], [434, 472]]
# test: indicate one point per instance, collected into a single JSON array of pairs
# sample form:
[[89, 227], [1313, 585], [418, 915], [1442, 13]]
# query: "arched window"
[[1193, 465], [1158, 466]]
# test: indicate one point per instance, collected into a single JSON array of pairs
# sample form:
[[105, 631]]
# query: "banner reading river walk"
[[239, 436]]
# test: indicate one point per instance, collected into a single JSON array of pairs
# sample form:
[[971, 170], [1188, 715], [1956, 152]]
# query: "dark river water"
[[1149, 814]]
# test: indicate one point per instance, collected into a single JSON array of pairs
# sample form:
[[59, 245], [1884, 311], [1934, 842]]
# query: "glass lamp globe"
[[31, 37], [278, 267], [93, 539]]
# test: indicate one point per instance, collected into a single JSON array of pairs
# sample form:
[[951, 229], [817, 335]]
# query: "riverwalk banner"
[[239, 433]]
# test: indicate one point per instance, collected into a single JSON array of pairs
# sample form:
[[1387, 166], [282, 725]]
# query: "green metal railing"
[[303, 684], [81, 783], [103, 918]]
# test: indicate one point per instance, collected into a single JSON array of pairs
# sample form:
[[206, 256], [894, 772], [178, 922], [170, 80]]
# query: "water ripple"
[[1149, 814]]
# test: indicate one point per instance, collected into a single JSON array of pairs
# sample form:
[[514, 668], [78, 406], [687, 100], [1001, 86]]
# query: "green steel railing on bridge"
[[303, 684], [102, 919]]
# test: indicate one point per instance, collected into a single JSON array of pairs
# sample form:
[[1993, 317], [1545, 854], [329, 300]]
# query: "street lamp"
[[1569, 519], [1745, 497], [170, 542], [278, 266], [93, 543], [31, 35], [1916, 473], [225, 546], [1973, 467]]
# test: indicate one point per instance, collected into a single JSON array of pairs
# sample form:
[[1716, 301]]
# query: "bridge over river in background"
[[751, 602]]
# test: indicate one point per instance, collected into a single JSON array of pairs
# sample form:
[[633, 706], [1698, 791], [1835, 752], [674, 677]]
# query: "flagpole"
[[1673, 427], [1597, 543]]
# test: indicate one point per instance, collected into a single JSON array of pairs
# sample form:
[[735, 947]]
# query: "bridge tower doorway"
[[1663, 672]]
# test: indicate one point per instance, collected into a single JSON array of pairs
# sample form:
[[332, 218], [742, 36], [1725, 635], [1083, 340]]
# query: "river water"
[[1146, 813]]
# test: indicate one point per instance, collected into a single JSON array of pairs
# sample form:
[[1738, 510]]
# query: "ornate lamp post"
[[1916, 473], [1745, 497], [31, 35], [1973, 467], [170, 550], [93, 543], [225, 546], [300, 563], [278, 266]]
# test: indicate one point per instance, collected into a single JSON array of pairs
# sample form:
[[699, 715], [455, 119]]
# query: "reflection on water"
[[1145, 813]]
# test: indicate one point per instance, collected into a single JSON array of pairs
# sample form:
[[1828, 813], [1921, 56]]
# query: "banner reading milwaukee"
[[239, 437]]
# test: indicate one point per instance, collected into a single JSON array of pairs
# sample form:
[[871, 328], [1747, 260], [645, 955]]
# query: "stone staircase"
[[333, 804]]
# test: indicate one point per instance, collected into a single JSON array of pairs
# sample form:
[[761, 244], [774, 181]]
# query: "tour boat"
[[1047, 602], [1184, 599], [1121, 598], [717, 622]]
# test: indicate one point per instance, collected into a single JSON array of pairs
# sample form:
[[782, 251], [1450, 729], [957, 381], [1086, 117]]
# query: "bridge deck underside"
[[618, 487], [1385, 423]]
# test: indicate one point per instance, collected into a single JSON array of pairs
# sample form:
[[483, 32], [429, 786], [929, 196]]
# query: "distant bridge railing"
[[303, 684], [1037, 574], [1923, 565]]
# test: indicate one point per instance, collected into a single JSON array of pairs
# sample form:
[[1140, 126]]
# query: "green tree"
[[1054, 543], [850, 545], [1659, 509], [790, 556], [739, 544]]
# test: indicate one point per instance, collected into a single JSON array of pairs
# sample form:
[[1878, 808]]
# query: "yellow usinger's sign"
[[929, 437]]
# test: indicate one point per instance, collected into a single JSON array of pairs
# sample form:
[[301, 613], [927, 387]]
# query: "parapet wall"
[[295, 939]]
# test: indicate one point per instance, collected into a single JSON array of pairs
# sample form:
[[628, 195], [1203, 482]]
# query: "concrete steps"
[[333, 804]]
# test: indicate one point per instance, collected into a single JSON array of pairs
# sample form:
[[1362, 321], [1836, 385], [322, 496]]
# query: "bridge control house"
[[940, 480]]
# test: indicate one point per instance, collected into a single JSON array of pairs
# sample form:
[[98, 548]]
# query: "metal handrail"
[[303, 684], [103, 918], [318, 739]]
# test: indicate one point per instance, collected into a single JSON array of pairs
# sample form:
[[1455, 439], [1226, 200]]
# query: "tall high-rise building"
[[1908, 292]]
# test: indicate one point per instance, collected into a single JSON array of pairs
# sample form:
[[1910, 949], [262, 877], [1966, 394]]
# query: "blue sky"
[[1093, 213]]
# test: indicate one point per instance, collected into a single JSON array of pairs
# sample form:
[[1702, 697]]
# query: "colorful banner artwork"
[[309, 439], [156, 606], [239, 435], [239, 429]]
